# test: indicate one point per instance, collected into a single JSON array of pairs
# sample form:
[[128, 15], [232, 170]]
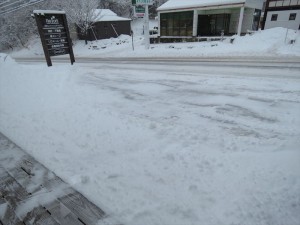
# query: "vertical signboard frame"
[[145, 4], [40, 15]]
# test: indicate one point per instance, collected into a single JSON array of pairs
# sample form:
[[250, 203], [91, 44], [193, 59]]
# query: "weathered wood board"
[[31, 194]]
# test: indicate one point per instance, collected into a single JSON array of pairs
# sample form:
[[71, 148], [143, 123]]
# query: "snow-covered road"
[[165, 144], [262, 62]]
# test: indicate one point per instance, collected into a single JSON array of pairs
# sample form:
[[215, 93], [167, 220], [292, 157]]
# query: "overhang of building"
[[221, 6]]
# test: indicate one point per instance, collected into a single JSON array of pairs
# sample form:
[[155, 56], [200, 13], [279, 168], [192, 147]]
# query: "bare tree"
[[16, 28], [120, 7], [83, 13]]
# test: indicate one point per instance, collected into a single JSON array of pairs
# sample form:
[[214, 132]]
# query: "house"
[[206, 18], [282, 13], [106, 24]]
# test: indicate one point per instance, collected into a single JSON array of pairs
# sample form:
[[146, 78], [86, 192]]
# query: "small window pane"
[[286, 2], [274, 17], [272, 4], [294, 2], [279, 3], [293, 16]]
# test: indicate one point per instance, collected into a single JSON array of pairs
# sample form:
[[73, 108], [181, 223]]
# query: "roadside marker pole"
[[147, 37], [146, 4]]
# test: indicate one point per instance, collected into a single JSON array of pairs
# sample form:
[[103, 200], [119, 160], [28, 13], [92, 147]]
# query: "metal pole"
[[265, 14], [287, 31], [132, 40], [146, 35]]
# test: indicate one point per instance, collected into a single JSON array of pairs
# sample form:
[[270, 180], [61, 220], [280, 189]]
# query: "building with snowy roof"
[[106, 24], [206, 18], [282, 13]]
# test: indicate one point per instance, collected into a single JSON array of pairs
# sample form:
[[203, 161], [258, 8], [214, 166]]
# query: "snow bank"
[[271, 42], [6, 59]]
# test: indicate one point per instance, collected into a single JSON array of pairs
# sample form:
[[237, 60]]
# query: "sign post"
[[145, 3], [54, 34], [147, 36]]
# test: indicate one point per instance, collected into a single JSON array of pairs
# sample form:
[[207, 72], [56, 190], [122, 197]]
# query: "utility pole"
[[265, 14], [146, 21], [146, 4]]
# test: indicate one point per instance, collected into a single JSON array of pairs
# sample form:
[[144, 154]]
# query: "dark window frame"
[[274, 17], [177, 24], [292, 16]]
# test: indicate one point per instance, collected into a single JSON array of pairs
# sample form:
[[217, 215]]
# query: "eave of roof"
[[185, 6]]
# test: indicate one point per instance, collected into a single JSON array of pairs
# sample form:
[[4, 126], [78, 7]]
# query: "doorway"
[[213, 25]]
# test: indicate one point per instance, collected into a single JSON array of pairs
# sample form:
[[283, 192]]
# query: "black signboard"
[[54, 33]]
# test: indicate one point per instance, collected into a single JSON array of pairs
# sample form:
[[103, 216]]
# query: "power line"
[[1, 3], [11, 3], [19, 7]]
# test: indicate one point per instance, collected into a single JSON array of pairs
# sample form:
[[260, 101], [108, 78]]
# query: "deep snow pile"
[[163, 145], [271, 42]]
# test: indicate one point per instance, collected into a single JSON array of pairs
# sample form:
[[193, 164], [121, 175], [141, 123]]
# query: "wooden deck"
[[31, 194]]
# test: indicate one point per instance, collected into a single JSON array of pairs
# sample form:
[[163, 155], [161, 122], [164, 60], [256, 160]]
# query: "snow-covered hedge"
[[4, 58]]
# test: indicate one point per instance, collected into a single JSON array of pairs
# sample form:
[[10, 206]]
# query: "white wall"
[[283, 20], [255, 4], [248, 19]]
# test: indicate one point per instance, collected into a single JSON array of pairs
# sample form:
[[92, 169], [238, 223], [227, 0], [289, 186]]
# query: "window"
[[292, 16], [274, 17], [176, 24]]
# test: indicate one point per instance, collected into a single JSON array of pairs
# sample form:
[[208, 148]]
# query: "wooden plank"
[[43, 180], [39, 216], [4, 143], [8, 216], [86, 211], [62, 214], [15, 195], [28, 178], [11, 190]]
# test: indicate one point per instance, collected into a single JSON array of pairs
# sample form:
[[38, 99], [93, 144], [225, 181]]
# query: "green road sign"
[[142, 2]]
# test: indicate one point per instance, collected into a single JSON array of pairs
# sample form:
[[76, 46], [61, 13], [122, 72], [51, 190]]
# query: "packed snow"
[[165, 143]]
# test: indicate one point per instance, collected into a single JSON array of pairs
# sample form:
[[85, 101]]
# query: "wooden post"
[[72, 58], [44, 44], [265, 15]]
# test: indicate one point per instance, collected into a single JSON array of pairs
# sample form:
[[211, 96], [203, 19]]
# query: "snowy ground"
[[164, 144]]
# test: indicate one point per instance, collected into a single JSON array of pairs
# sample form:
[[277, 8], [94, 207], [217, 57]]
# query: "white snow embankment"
[[275, 42]]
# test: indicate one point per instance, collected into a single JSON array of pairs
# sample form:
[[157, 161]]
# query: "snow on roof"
[[107, 15], [48, 12], [183, 4]]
